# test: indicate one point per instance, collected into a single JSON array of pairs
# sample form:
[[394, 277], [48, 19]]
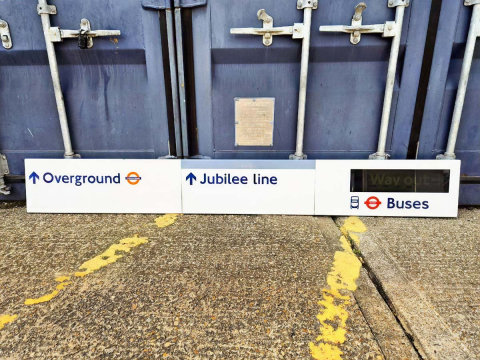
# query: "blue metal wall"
[[445, 74], [345, 88], [114, 93]]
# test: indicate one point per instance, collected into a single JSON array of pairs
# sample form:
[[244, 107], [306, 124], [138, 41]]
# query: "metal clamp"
[[4, 170], [268, 31], [357, 21], [298, 31], [471, 2], [5, 35], [303, 4], [395, 3], [46, 9], [57, 35], [388, 29]]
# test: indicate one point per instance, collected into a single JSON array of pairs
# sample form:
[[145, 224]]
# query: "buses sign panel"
[[416, 188]]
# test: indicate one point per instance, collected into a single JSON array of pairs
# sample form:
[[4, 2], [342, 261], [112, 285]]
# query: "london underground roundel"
[[373, 203]]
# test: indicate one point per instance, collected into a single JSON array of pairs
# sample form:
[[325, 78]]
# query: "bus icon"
[[355, 202]]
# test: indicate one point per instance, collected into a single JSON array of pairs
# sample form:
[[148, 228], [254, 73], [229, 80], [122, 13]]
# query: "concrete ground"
[[237, 287], [429, 272], [204, 287]]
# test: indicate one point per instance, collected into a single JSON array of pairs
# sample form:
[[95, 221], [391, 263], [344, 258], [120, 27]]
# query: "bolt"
[[356, 40], [299, 3], [390, 2], [390, 27], [3, 24], [268, 36], [315, 4]]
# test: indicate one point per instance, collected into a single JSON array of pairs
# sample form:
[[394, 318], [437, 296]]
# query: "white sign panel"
[[103, 186], [407, 188], [248, 187], [416, 188]]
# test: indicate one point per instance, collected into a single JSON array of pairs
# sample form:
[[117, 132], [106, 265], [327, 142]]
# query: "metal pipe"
[[181, 79], [392, 71], [173, 75], [3, 171], [307, 22], [462, 86], [52, 59]]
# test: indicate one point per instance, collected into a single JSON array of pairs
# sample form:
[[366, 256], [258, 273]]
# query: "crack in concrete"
[[353, 241]]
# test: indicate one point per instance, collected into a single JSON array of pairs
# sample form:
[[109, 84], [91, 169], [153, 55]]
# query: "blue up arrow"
[[34, 177], [191, 177]]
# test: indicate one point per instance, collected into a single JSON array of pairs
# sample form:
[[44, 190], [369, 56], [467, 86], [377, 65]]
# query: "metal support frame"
[[4, 170], [389, 29], [473, 34], [177, 75], [181, 80], [297, 31], [173, 75], [55, 34]]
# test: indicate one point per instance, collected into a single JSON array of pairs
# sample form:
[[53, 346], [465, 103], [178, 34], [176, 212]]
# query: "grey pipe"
[[173, 75], [392, 70], [307, 22], [462, 86], [52, 59], [181, 79]]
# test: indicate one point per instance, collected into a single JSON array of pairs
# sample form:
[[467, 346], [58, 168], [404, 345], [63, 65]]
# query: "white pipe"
[[462, 86], [307, 23], [392, 70], [52, 59]]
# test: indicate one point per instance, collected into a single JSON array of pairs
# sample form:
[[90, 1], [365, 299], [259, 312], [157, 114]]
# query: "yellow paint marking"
[[6, 319], [107, 257], [353, 224], [110, 255], [63, 280], [166, 220], [342, 277]]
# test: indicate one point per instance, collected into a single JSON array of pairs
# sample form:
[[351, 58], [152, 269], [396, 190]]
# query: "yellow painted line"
[[341, 279], [63, 280], [166, 220], [110, 255], [6, 319]]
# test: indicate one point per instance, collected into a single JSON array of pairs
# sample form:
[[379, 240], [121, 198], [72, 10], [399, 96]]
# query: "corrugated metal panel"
[[445, 74], [114, 93], [345, 88]]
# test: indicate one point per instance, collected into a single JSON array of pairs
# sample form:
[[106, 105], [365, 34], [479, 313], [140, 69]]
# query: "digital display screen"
[[400, 181]]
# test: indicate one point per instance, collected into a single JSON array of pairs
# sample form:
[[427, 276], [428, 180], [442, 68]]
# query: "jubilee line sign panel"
[[324, 187], [248, 187]]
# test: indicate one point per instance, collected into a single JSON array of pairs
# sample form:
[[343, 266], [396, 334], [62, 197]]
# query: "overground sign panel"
[[103, 186], [324, 187]]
